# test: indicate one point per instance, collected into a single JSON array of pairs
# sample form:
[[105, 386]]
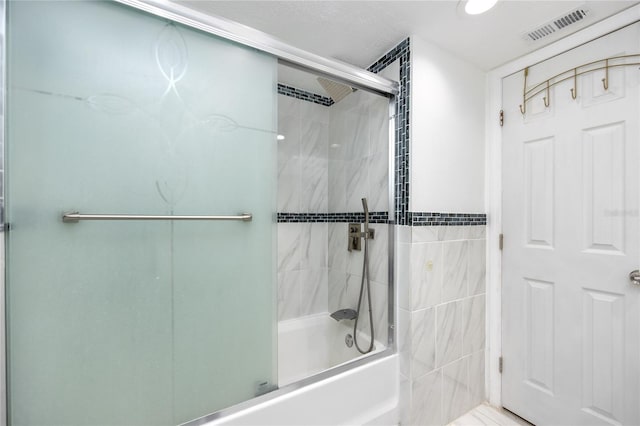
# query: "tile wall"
[[302, 188], [359, 153], [440, 257], [396, 65], [302, 156], [358, 167], [440, 260], [333, 155], [441, 321], [345, 277]]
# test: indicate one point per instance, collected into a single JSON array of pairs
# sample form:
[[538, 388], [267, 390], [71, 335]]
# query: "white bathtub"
[[315, 343], [363, 395]]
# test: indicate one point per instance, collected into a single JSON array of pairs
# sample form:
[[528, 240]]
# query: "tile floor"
[[486, 415]]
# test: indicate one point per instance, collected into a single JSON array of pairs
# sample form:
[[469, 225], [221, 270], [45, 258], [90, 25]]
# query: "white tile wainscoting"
[[441, 330]]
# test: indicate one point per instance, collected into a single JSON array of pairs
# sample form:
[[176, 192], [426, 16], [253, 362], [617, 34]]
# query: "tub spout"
[[342, 314]]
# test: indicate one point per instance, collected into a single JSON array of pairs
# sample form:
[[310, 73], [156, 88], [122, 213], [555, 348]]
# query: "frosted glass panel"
[[111, 110]]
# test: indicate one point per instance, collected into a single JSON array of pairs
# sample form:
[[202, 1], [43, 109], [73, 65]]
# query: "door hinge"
[[501, 241], [500, 365], [501, 117]]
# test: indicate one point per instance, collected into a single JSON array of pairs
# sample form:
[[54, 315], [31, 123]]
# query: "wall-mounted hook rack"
[[573, 73]]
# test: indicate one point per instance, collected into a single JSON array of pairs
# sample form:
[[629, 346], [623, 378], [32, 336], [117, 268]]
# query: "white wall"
[[447, 132]]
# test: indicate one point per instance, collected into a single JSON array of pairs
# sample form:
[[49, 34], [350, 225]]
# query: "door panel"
[[539, 362], [571, 318], [603, 182], [538, 187], [114, 111]]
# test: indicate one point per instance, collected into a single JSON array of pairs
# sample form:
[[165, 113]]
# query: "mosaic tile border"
[[303, 95], [415, 218], [447, 219], [401, 52], [374, 217]]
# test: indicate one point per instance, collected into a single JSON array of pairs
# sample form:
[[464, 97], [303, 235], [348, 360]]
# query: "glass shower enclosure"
[[141, 179]]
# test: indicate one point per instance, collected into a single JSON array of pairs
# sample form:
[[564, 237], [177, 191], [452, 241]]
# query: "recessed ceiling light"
[[476, 7], [280, 137]]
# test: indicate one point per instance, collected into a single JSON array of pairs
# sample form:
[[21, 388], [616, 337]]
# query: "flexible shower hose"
[[365, 273]]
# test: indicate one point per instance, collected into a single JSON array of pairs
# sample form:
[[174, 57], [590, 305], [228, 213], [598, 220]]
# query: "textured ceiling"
[[358, 32]]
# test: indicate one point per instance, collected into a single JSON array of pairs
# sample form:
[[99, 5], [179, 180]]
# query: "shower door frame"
[[286, 54]]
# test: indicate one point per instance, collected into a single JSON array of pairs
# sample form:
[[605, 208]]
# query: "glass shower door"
[[112, 111]]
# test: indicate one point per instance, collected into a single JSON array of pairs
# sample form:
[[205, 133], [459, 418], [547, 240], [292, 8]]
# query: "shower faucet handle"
[[370, 235], [355, 232], [355, 235]]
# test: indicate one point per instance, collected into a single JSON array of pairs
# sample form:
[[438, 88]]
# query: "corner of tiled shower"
[[325, 168], [440, 270]]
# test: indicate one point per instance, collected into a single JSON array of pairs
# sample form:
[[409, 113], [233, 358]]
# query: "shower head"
[[337, 91]]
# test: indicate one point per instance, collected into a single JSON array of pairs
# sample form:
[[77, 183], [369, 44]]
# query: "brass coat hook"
[[605, 80], [546, 99], [523, 106], [574, 91]]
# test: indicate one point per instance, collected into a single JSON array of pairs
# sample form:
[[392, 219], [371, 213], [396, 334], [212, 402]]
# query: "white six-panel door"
[[571, 317]]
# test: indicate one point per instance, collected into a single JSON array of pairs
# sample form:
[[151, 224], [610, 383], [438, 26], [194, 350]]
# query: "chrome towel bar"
[[75, 217]]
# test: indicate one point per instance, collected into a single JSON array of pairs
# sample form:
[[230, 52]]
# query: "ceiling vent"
[[560, 23]]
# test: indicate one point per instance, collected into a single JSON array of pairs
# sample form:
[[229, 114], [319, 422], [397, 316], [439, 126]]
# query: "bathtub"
[[363, 392], [311, 344]]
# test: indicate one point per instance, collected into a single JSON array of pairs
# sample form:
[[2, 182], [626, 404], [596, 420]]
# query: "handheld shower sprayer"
[[365, 207], [365, 284], [355, 234]]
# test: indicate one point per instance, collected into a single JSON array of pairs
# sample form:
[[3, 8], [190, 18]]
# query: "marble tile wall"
[[302, 269], [441, 321], [359, 153], [302, 188], [345, 277], [440, 270], [358, 167], [330, 159], [302, 156]]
